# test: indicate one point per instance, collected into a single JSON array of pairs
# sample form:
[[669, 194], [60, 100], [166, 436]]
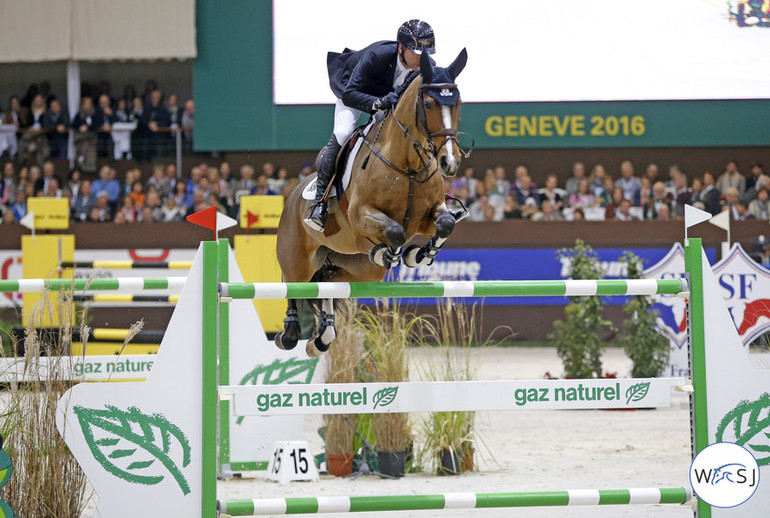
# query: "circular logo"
[[724, 474]]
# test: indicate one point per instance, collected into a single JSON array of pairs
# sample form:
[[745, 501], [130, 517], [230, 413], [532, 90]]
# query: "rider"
[[364, 81]]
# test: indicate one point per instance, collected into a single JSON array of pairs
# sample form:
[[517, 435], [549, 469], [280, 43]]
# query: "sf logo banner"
[[724, 475]]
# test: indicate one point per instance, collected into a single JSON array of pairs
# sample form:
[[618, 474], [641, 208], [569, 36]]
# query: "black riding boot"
[[317, 216]]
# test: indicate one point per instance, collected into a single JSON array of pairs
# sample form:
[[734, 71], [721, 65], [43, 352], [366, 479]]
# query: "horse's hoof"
[[377, 255], [283, 342], [315, 347], [410, 256]]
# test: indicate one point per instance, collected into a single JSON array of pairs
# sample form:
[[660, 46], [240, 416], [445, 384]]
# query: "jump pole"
[[355, 504]]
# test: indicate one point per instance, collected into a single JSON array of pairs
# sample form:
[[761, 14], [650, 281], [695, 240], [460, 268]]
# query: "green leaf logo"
[[134, 446], [748, 425], [637, 392], [6, 468], [384, 397]]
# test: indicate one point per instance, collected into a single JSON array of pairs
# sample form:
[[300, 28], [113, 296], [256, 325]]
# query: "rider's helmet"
[[417, 36]]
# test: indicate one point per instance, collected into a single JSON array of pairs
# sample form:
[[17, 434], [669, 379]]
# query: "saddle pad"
[[309, 192]]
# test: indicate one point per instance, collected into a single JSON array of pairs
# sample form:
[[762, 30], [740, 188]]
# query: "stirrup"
[[312, 222]]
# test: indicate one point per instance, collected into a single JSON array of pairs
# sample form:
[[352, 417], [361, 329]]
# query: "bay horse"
[[392, 196]]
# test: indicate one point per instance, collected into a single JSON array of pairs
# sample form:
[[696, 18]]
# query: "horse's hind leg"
[[319, 343], [415, 255], [287, 339]]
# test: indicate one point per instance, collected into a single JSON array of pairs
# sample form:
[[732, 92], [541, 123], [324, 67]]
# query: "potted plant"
[[387, 331], [648, 349], [578, 339], [449, 436], [342, 364]]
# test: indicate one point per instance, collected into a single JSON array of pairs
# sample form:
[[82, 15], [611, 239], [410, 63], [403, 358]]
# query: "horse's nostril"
[[443, 163]]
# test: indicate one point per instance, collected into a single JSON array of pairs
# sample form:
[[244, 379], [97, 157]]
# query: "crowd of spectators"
[[600, 195], [38, 126], [157, 193], [160, 195]]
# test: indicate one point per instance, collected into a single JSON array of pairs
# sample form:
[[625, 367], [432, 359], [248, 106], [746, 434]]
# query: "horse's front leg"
[[416, 255], [389, 236]]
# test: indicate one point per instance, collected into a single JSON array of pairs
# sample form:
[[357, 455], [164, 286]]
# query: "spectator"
[[107, 118], [82, 202], [120, 218], [651, 174], [490, 214], [170, 211], [153, 202], [598, 174], [128, 209], [155, 118], [682, 194], [519, 173], [578, 175], [479, 209], [49, 173], [262, 186], [511, 209], [664, 213], [19, 207], [101, 211], [756, 180], [760, 206], [305, 171], [132, 175], [56, 123], [582, 198], [137, 194], [183, 199], [526, 191], [730, 203], [169, 180], [140, 145], [660, 198], [188, 126], [605, 195], [34, 140], [673, 171], [628, 182], [52, 189], [147, 215], [623, 212], [157, 179], [709, 196], [550, 193], [743, 211], [731, 179], [467, 180], [277, 184], [645, 193], [502, 185], [612, 207], [578, 215], [8, 185], [174, 110], [12, 119], [548, 212], [108, 184], [9, 218], [246, 181], [86, 124]]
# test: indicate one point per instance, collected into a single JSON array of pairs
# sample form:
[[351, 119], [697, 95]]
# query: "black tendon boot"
[[317, 216]]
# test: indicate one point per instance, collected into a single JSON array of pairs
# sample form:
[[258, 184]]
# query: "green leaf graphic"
[[385, 396], [637, 392], [749, 421], [154, 436]]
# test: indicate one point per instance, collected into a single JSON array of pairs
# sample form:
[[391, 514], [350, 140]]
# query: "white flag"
[[693, 216], [722, 220], [28, 220]]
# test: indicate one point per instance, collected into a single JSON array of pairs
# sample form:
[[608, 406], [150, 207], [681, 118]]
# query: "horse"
[[394, 194]]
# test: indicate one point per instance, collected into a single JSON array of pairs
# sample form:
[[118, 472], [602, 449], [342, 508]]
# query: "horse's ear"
[[426, 68], [458, 64]]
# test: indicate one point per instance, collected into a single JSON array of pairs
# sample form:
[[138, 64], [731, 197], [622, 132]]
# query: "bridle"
[[427, 155]]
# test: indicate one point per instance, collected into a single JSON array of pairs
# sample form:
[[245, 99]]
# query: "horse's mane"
[[407, 82]]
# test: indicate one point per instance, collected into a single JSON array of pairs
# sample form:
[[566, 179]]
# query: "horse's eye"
[[429, 105]]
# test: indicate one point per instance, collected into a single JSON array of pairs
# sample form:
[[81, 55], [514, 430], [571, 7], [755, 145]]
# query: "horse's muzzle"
[[448, 165]]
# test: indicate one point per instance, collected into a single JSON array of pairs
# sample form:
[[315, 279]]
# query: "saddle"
[[339, 163]]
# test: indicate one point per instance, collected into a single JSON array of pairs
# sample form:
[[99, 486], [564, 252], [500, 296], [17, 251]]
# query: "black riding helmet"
[[417, 36]]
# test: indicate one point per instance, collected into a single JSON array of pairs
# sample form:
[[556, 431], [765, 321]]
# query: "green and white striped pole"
[[345, 290], [117, 283], [356, 504]]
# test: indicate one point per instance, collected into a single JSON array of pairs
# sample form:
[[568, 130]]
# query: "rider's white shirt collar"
[[401, 72]]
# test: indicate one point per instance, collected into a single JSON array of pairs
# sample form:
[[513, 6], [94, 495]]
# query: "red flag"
[[251, 218], [205, 218], [753, 312]]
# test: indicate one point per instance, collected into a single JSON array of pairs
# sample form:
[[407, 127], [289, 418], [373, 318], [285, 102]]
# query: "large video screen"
[[560, 50]]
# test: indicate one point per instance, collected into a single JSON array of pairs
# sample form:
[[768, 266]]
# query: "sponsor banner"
[[744, 286], [78, 368], [367, 398]]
